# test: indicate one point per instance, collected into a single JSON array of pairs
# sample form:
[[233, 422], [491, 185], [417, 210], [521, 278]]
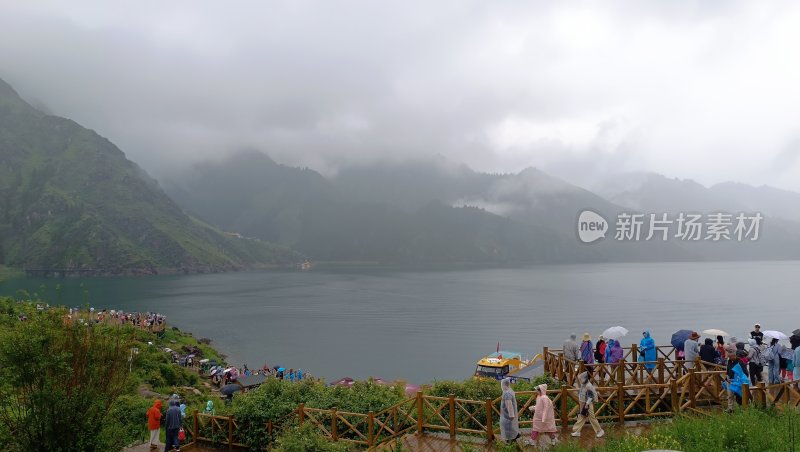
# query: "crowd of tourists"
[[757, 354], [745, 361], [152, 321]]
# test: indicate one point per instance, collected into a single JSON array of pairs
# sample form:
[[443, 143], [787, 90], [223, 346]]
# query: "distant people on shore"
[[691, 349], [708, 352], [720, 345], [647, 351], [613, 352], [756, 333], [571, 350], [773, 358], [600, 350], [587, 349], [755, 361]]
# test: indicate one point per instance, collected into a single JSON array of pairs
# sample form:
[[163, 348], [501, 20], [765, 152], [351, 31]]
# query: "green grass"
[[744, 430]]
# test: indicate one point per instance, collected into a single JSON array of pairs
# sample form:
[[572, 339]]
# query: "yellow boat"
[[505, 363], [499, 364]]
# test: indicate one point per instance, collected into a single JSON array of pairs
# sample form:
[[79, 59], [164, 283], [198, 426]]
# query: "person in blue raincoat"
[[736, 379], [647, 351]]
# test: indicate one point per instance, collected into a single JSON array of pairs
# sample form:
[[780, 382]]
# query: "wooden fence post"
[[673, 390], [301, 413], [564, 408], [764, 394], [621, 392], [420, 414], [230, 433], [394, 419], [560, 368], [547, 369], [660, 371], [451, 403], [489, 421], [334, 425], [195, 427], [693, 398], [371, 428], [745, 395]]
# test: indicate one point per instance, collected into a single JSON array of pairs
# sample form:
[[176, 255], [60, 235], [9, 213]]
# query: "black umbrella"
[[796, 332], [229, 389], [679, 337]]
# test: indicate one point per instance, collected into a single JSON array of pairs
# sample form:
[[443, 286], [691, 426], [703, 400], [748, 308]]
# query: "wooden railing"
[[665, 368], [625, 391]]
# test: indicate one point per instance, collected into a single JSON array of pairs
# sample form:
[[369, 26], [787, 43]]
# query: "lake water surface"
[[427, 325]]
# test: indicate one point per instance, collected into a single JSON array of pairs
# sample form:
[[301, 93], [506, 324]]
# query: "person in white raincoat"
[[509, 415]]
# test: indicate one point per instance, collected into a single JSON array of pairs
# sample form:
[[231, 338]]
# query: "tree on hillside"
[[58, 382]]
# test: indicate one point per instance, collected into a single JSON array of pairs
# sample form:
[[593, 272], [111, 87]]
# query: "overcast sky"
[[708, 90]]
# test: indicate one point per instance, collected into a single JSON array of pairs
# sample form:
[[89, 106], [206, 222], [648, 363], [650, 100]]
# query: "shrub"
[[306, 439], [59, 381]]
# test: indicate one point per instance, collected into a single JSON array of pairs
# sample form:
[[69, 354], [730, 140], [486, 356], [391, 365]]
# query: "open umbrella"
[[796, 332], [381, 382], [615, 332], [346, 381], [679, 337], [715, 332], [229, 389], [775, 334], [412, 389]]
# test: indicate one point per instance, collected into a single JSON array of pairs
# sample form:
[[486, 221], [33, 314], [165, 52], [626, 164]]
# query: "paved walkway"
[[437, 442]]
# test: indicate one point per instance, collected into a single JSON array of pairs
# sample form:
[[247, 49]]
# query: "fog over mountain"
[[437, 211], [580, 90]]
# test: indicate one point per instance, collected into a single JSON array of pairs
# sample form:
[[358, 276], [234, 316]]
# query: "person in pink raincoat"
[[544, 418]]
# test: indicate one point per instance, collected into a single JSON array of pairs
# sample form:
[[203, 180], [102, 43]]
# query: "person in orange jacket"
[[154, 423]]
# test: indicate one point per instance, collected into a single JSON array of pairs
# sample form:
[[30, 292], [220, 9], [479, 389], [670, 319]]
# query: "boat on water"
[[504, 363], [499, 364]]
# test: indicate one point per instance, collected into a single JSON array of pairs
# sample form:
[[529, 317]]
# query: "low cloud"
[[703, 90]]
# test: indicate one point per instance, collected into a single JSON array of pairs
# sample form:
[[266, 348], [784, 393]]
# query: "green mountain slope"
[[373, 216], [69, 199]]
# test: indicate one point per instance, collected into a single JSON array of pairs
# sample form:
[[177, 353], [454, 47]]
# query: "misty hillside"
[[70, 200], [650, 192], [251, 194], [422, 211]]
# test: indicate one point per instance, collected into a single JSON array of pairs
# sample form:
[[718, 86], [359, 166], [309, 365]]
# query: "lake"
[[435, 324]]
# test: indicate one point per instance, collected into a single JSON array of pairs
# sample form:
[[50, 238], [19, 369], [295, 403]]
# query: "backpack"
[[758, 356]]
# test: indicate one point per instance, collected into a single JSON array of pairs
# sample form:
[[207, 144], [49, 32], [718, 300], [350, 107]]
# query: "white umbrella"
[[775, 334], [615, 332], [715, 332]]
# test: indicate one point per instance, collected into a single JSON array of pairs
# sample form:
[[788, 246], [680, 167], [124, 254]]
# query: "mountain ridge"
[[70, 200]]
